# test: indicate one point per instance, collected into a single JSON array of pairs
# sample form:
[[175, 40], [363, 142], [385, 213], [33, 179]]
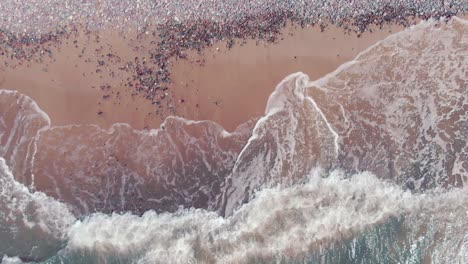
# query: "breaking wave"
[[366, 165], [300, 222]]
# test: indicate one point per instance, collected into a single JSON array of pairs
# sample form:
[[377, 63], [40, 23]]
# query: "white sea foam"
[[20, 120], [31, 222], [11, 260], [402, 100], [292, 221]]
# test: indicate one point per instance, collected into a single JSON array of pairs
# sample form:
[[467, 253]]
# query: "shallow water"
[[368, 164]]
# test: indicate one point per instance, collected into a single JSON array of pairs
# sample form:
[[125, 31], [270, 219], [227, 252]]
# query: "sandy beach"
[[229, 86], [233, 131]]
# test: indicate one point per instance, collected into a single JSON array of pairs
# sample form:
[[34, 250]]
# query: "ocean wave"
[[397, 110], [368, 158], [31, 223], [279, 223]]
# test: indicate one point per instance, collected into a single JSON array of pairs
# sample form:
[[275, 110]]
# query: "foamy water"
[[366, 165]]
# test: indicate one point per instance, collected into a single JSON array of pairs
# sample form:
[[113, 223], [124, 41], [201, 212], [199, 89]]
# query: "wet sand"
[[234, 85], [229, 86]]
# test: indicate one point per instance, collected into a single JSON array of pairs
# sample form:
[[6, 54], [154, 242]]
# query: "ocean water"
[[368, 164]]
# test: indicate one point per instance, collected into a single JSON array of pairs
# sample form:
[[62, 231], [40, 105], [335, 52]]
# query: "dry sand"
[[230, 88]]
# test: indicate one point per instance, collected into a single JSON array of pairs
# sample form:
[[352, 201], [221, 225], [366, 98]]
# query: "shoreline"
[[226, 85]]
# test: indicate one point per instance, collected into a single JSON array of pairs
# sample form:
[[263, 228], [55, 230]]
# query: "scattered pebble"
[[31, 29]]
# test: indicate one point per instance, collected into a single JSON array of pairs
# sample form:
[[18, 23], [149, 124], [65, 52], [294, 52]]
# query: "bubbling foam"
[[32, 224], [282, 222]]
